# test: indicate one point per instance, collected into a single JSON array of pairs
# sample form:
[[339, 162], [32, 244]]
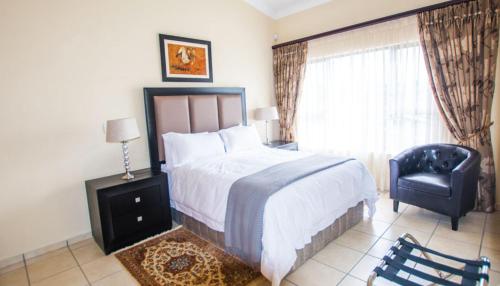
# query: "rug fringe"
[[146, 239]]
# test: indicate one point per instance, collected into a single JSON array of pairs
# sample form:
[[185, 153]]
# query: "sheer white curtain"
[[366, 95]]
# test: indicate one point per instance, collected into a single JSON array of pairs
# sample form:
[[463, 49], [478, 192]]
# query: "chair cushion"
[[437, 184]]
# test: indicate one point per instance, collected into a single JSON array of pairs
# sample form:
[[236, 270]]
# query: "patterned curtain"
[[289, 68], [460, 44]]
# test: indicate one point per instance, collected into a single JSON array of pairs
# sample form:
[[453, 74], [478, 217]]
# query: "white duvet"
[[291, 217]]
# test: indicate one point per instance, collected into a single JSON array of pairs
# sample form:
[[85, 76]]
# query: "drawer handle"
[[137, 200], [139, 218]]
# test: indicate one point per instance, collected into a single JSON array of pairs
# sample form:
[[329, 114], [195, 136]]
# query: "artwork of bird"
[[186, 55]]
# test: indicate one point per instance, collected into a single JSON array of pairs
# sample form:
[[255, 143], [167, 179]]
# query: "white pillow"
[[185, 148], [239, 138]]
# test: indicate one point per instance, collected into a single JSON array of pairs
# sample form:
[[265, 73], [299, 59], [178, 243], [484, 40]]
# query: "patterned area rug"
[[179, 257]]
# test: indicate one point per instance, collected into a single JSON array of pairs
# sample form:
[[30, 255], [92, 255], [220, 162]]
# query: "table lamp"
[[122, 131], [267, 114]]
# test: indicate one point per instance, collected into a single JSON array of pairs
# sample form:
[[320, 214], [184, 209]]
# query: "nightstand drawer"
[[137, 221], [134, 200]]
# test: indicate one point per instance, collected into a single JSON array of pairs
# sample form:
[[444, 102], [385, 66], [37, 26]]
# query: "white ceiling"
[[281, 8]]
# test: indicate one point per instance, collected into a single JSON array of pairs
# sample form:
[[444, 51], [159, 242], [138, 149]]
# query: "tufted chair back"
[[436, 158]]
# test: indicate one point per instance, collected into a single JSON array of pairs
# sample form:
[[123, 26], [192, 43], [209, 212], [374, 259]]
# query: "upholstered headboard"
[[190, 110]]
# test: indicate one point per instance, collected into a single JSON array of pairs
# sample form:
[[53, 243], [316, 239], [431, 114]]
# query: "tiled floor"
[[346, 261], [82, 263]]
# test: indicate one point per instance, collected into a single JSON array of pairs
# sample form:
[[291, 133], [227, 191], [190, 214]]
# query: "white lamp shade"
[[120, 130], [266, 113]]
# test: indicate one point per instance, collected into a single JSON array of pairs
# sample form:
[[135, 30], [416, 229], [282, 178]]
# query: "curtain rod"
[[371, 22]]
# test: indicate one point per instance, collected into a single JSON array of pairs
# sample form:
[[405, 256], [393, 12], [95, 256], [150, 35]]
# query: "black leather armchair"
[[438, 177]]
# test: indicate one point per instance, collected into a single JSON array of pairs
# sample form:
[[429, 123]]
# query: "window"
[[371, 103]]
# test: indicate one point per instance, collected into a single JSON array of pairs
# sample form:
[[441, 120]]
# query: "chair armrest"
[[405, 162], [398, 160], [398, 168], [469, 164], [394, 169], [464, 178]]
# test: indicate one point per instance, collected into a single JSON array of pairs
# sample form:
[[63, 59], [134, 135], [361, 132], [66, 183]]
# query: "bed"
[[299, 220]]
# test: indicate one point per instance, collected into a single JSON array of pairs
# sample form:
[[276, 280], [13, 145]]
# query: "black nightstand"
[[124, 212], [292, 146]]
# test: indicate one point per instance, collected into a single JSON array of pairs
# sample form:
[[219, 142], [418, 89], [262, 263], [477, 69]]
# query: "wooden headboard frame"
[[189, 98]]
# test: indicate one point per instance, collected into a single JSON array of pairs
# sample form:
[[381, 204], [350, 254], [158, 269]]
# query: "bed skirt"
[[353, 216]]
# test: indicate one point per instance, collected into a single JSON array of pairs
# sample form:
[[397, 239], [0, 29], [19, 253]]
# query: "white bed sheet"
[[291, 216]]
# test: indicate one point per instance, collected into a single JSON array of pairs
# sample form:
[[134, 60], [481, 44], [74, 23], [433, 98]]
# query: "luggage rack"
[[473, 272]]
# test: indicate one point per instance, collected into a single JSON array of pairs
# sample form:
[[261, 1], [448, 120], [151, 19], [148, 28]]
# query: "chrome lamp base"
[[126, 163], [128, 176]]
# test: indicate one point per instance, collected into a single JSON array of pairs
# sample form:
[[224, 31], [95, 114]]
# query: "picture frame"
[[185, 59]]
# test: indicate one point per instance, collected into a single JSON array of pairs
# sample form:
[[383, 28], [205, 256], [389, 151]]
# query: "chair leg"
[[395, 205], [454, 223]]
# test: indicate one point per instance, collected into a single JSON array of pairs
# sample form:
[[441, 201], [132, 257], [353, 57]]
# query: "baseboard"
[[79, 238], [11, 263]]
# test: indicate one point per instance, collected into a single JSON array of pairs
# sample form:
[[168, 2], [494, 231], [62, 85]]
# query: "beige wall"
[[341, 13], [66, 66], [495, 131]]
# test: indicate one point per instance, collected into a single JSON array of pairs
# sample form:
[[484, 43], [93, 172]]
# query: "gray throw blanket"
[[247, 200]]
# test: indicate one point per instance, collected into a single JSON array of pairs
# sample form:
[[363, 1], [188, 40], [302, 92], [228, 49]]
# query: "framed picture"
[[184, 59]]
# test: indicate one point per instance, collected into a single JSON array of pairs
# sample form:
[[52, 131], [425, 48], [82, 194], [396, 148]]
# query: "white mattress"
[[291, 217]]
